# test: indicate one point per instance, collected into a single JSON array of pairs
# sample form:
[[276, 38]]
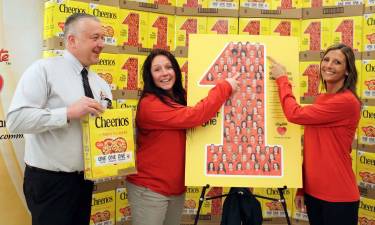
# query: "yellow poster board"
[[249, 142]]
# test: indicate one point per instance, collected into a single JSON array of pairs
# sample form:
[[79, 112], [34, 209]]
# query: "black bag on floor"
[[241, 208]]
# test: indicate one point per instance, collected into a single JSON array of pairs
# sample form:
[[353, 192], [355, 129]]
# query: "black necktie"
[[86, 85]]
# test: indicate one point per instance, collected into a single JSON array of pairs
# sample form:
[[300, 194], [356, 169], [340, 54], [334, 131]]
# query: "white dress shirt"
[[39, 110]]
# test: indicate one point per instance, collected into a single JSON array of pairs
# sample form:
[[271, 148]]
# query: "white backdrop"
[[21, 23]]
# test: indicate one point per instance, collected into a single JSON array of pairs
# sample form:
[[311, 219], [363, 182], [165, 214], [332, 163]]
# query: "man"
[[47, 106]]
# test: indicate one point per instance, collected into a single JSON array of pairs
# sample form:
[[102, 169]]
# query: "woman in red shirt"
[[156, 192], [331, 194]]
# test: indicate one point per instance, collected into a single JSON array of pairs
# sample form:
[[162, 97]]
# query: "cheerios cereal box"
[[367, 83], [133, 27], [183, 62], [347, 2], [286, 4], [369, 3], [358, 65], [192, 200], [191, 3], [353, 156], [316, 3], [366, 169], [214, 206], [366, 127], [161, 31], [273, 209], [127, 104], [58, 12], [313, 34], [164, 2], [130, 77], [366, 212], [108, 143], [108, 16], [347, 30], [186, 25], [254, 26], [265, 4], [285, 27], [103, 208], [309, 78], [368, 40], [52, 53], [223, 4], [298, 212], [123, 212], [106, 68], [222, 25]]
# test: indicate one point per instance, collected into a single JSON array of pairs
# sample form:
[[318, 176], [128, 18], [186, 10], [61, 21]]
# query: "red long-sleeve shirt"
[[330, 125], [162, 138]]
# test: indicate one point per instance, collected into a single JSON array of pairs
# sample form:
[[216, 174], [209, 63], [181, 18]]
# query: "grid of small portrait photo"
[[243, 150]]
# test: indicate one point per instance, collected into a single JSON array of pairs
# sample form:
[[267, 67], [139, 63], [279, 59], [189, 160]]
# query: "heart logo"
[[99, 144], [281, 130]]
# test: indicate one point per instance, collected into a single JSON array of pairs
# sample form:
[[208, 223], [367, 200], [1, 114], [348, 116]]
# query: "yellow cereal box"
[[52, 53], [347, 2], [254, 26], [192, 200], [313, 33], [309, 79], [368, 40], [222, 25], [366, 215], [130, 77], [108, 143], [366, 169], [286, 4], [103, 208], [298, 212], [161, 31], [367, 83], [133, 28], [369, 3], [164, 2], [47, 19], [347, 30], [127, 104], [265, 4], [353, 155], [183, 62], [213, 207], [316, 3], [285, 27], [366, 127], [106, 68], [358, 65], [223, 4], [191, 3], [59, 11], [272, 209], [186, 25], [108, 16], [123, 212]]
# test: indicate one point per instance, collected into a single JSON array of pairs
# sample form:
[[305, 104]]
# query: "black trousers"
[[57, 198], [331, 213]]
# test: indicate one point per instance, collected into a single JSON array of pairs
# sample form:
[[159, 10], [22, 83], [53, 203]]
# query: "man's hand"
[[276, 69], [82, 107]]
